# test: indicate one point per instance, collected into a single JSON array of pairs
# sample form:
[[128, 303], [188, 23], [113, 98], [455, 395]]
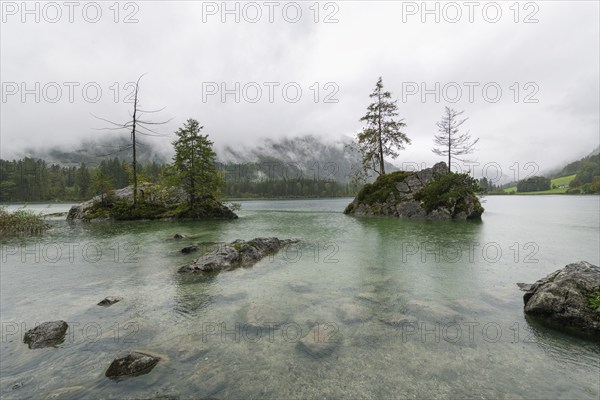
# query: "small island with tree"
[[188, 189], [432, 193]]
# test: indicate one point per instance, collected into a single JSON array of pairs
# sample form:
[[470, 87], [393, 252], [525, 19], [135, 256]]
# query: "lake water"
[[419, 309]]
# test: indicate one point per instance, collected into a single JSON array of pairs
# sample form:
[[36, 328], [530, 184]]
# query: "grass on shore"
[[21, 222]]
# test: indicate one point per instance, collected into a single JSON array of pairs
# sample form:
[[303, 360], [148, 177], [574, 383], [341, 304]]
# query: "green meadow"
[[563, 180]]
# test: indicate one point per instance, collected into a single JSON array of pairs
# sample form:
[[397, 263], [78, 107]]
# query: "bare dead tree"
[[450, 142], [137, 126]]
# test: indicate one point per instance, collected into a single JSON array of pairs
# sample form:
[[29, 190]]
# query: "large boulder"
[[431, 193], [567, 299], [239, 253], [46, 335], [132, 364]]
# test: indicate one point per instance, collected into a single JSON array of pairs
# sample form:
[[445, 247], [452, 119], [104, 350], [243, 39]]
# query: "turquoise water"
[[418, 309]]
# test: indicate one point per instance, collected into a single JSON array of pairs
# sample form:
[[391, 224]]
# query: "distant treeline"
[[32, 180], [488, 187], [287, 189]]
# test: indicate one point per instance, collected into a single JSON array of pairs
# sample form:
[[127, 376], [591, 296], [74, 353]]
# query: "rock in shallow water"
[[351, 313], [133, 364], [190, 249], [263, 315], [562, 299], [109, 301], [240, 253], [45, 335], [321, 341]]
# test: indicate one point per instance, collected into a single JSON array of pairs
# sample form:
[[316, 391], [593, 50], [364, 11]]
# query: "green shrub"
[[21, 222], [124, 210], [450, 191], [593, 300], [380, 190]]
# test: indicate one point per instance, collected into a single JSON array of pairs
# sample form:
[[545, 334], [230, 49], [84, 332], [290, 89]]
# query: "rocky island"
[[154, 202], [432, 193]]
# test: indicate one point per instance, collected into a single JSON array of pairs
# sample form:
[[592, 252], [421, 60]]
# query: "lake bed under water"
[[415, 309]]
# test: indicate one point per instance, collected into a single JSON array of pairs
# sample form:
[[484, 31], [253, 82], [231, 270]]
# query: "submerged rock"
[[65, 393], [240, 253], [263, 315], [133, 364], [351, 313], [109, 301], [431, 193], [524, 286], [45, 335], [190, 249], [321, 341], [228, 298], [567, 299], [396, 319]]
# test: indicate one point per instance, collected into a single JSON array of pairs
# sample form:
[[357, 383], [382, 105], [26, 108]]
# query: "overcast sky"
[[547, 71]]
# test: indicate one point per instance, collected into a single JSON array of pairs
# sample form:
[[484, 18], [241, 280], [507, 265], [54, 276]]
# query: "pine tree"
[[194, 163], [383, 134], [452, 143], [83, 180], [101, 184]]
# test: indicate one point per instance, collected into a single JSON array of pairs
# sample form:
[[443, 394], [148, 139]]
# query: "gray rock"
[[240, 253], [133, 364], [228, 298], [179, 236], [299, 287], [402, 187], [440, 214], [369, 296], [45, 335], [414, 183], [109, 301], [410, 209], [560, 300], [263, 315], [321, 341], [190, 249], [396, 319], [351, 313]]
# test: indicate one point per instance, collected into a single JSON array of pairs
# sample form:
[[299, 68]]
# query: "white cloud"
[[180, 53]]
